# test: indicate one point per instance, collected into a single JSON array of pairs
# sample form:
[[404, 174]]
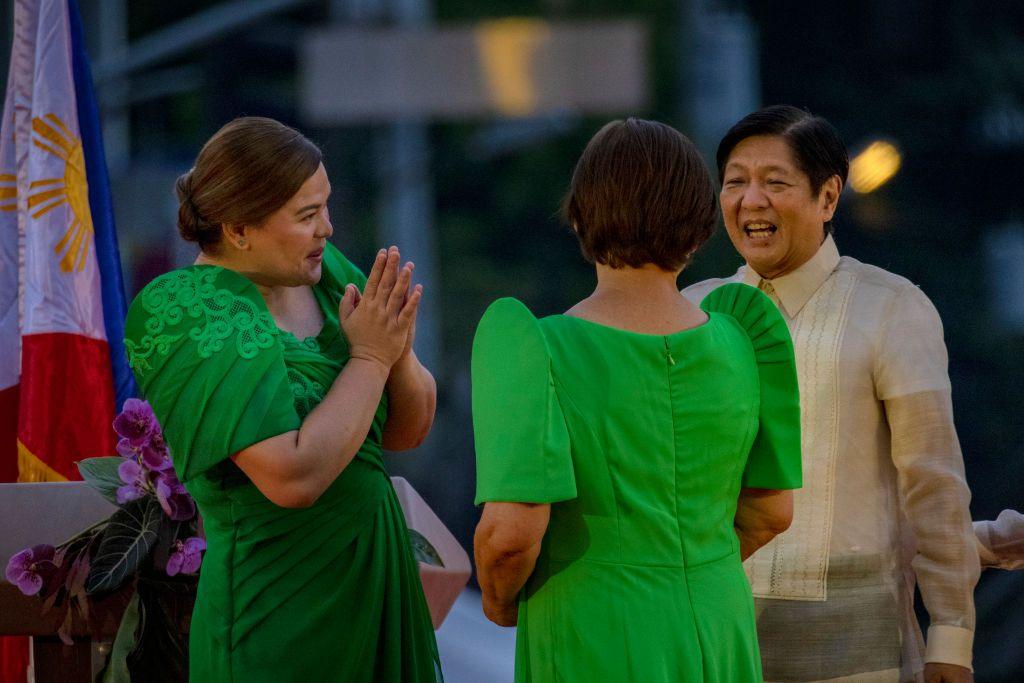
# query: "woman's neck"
[[642, 300], [649, 282], [274, 295]]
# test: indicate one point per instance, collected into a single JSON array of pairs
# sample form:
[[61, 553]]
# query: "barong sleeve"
[[522, 443], [911, 378], [205, 353], [774, 459]]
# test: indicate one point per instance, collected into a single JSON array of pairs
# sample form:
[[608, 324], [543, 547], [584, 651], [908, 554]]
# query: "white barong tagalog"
[[885, 500]]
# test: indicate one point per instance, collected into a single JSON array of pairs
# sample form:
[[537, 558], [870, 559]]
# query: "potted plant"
[[152, 543]]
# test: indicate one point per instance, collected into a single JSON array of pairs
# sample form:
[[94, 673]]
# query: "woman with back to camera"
[[632, 451], [278, 372]]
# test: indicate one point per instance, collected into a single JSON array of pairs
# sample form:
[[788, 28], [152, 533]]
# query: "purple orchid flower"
[[187, 556], [141, 438], [134, 478], [126, 450], [155, 455], [32, 568], [173, 497], [136, 422]]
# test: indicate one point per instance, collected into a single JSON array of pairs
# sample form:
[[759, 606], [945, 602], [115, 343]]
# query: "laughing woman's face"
[[773, 217]]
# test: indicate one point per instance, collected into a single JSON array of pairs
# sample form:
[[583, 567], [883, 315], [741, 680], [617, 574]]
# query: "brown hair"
[[249, 169], [640, 194]]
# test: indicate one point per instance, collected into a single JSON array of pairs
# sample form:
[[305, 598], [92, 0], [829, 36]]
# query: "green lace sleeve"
[[206, 355]]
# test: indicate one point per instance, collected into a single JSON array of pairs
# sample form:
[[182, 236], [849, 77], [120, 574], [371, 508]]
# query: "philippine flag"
[[63, 368], [62, 363]]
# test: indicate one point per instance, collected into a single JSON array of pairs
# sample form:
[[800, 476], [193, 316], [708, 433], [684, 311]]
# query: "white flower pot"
[[441, 585]]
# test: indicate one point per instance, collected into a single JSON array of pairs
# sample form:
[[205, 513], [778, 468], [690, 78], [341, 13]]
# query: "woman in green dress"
[[631, 452], [279, 372]]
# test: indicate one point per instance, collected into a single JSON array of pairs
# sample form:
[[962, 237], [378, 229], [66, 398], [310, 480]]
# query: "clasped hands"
[[380, 321]]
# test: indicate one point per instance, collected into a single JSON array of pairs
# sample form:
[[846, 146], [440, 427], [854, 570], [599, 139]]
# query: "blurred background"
[[451, 128]]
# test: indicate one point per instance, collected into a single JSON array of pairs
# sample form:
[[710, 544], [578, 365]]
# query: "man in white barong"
[[885, 500]]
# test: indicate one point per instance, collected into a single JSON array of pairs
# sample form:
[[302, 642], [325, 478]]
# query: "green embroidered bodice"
[[193, 293]]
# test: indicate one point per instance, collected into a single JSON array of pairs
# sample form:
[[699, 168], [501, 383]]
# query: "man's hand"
[[935, 672]]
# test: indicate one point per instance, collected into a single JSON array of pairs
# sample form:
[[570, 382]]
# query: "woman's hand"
[[761, 515], [935, 672], [411, 337], [378, 322], [506, 546], [293, 469], [501, 614]]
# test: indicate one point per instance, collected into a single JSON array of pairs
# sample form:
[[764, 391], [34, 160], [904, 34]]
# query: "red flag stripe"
[[9, 434], [66, 402]]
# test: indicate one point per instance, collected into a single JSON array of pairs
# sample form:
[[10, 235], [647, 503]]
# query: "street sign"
[[503, 68]]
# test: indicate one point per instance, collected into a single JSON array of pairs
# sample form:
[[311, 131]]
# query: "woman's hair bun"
[[191, 224]]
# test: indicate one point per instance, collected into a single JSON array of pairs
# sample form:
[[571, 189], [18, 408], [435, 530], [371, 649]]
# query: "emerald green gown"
[[327, 593], [641, 443]]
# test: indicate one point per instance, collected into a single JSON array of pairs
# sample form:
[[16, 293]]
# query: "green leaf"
[[116, 670], [101, 474], [125, 543], [422, 550], [161, 655]]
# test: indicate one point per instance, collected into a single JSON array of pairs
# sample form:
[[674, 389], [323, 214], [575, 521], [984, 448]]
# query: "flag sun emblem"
[[8, 192], [51, 135]]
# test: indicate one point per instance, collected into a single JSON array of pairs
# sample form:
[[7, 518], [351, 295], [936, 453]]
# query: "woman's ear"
[[235, 235]]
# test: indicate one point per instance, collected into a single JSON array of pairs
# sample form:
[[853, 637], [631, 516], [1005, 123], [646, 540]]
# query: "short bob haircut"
[[640, 194], [249, 169], [815, 143]]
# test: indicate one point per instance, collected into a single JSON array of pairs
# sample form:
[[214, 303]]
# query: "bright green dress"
[[641, 443], [327, 593]]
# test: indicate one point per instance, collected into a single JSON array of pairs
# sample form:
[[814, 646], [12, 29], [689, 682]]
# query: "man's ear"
[[829, 196]]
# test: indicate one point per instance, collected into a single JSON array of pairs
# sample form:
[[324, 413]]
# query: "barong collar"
[[795, 288]]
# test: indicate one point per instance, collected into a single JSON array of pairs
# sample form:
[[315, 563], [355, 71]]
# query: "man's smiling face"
[[773, 216]]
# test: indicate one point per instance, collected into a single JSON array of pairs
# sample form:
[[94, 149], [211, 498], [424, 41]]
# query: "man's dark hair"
[[817, 148], [640, 194]]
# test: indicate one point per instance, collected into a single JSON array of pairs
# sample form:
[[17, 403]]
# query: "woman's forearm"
[[294, 469], [506, 545], [340, 423], [412, 400]]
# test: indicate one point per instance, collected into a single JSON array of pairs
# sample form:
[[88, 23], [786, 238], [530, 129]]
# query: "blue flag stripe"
[[102, 209]]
